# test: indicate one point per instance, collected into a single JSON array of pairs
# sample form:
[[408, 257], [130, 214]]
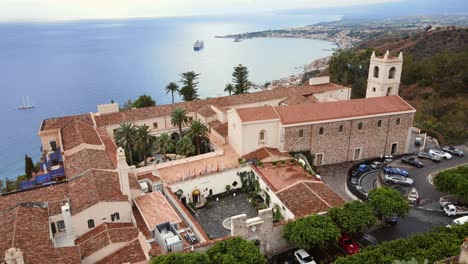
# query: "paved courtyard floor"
[[211, 216]]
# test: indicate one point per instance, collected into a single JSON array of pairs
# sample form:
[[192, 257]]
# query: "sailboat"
[[25, 105]]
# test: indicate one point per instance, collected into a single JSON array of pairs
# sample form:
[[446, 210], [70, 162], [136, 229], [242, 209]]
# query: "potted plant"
[[274, 163]]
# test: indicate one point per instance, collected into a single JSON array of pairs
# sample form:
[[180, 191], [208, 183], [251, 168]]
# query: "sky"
[[13, 10]]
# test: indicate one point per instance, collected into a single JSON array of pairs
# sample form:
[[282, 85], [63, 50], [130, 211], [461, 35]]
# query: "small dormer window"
[[262, 137]]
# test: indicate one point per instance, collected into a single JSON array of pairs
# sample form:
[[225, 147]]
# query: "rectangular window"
[[61, 226], [301, 133], [155, 125], [398, 121], [190, 119], [115, 217], [357, 154], [394, 148], [53, 145], [319, 159]]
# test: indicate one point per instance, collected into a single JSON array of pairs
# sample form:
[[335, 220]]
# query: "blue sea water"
[[69, 67]]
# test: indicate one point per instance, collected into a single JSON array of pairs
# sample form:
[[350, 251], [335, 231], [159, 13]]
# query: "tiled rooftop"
[[280, 176], [60, 122], [79, 132], [155, 209], [257, 113], [267, 154], [87, 159]]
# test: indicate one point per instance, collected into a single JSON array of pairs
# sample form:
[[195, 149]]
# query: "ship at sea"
[[198, 45]]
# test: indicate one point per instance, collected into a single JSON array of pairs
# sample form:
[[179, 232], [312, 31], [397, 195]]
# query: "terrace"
[[52, 170]]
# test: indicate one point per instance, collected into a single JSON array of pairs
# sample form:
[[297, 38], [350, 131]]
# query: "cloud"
[[97, 9]]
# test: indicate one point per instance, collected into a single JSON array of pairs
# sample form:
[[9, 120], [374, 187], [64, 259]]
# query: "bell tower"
[[384, 75]]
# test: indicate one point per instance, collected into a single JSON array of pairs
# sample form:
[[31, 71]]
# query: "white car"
[[459, 221], [398, 179], [440, 153], [303, 257]]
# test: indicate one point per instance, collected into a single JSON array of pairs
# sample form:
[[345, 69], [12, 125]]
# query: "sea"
[[69, 67]]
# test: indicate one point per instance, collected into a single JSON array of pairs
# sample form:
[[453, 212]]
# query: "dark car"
[[412, 161], [397, 171], [363, 168], [427, 155], [453, 150]]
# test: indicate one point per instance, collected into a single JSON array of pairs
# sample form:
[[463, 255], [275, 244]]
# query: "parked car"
[[397, 171], [412, 161], [453, 210], [459, 221], [348, 244], [376, 165], [391, 220], [363, 168], [354, 180], [398, 179], [440, 153], [303, 257], [453, 150], [418, 141], [426, 155]]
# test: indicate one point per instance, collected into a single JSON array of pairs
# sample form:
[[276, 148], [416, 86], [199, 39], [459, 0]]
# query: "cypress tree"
[[29, 167]]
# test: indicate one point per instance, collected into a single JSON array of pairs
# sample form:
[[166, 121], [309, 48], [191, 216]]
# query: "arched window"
[[376, 72], [398, 121], [359, 126], [262, 136], [373, 89], [301, 132], [391, 73], [90, 223], [115, 217], [321, 131], [379, 123], [340, 129]]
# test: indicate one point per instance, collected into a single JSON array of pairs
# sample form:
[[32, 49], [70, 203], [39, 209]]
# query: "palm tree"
[[172, 88], [179, 118], [143, 142], [164, 143], [125, 138], [229, 88], [185, 146], [198, 132]]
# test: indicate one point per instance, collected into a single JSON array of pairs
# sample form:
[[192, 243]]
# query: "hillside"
[[434, 78]]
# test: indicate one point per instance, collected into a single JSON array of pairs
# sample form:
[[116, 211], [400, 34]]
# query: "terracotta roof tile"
[[342, 109], [78, 132], [149, 176], [221, 128], [257, 113], [27, 228], [87, 159], [59, 122], [265, 153], [111, 148], [131, 253], [155, 209], [301, 201], [206, 111]]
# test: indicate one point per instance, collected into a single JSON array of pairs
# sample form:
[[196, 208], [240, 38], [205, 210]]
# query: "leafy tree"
[[29, 167], [128, 105], [143, 142], [181, 258], [229, 88], [198, 132], [189, 90], [125, 137], [164, 143], [432, 246], [1, 186], [236, 251], [311, 231], [353, 218], [453, 181], [144, 101], [388, 202], [10, 185], [185, 146], [179, 118], [172, 88], [240, 78]]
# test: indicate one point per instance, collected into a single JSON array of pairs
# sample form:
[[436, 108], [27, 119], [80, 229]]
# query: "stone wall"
[[337, 146]]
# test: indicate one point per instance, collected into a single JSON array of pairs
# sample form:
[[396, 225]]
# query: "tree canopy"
[[198, 132], [240, 78], [181, 258], [229, 88], [29, 167], [388, 202], [353, 218], [125, 137], [172, 88], [454, 182], [179, 118], [144, 101], [189, 90], [311, 231]]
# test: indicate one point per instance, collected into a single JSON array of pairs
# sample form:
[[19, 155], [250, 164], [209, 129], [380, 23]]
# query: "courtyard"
[[212, 215]]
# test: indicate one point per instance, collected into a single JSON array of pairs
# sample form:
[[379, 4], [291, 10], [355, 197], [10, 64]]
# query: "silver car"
[[398, 179], [440, 153]]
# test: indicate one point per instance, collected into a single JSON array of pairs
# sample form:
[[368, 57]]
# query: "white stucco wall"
[[339, 94], [100, 213], [235, 131], [251, 139]]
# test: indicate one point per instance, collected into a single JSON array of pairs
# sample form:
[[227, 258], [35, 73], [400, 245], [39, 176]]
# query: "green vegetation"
[[311, 231], [198, 132], [125, 138], [437, 244], [229, 88], [235, 250], [179, 118], [240, 78], [189, 90], [164, 144], [172, 88], [185, 147], [388, 202], [143, 142], [353, 218], [29, 167], [144, 101], [454, 182], [181, 258]]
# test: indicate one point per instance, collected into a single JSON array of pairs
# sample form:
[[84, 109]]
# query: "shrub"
[[283, 162], [274, 163], [260, 163], [241, 160], [293, 161]]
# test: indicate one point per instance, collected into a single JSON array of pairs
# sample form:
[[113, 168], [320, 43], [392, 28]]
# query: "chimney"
[[14, 256], [66, 213], [124, 170]]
